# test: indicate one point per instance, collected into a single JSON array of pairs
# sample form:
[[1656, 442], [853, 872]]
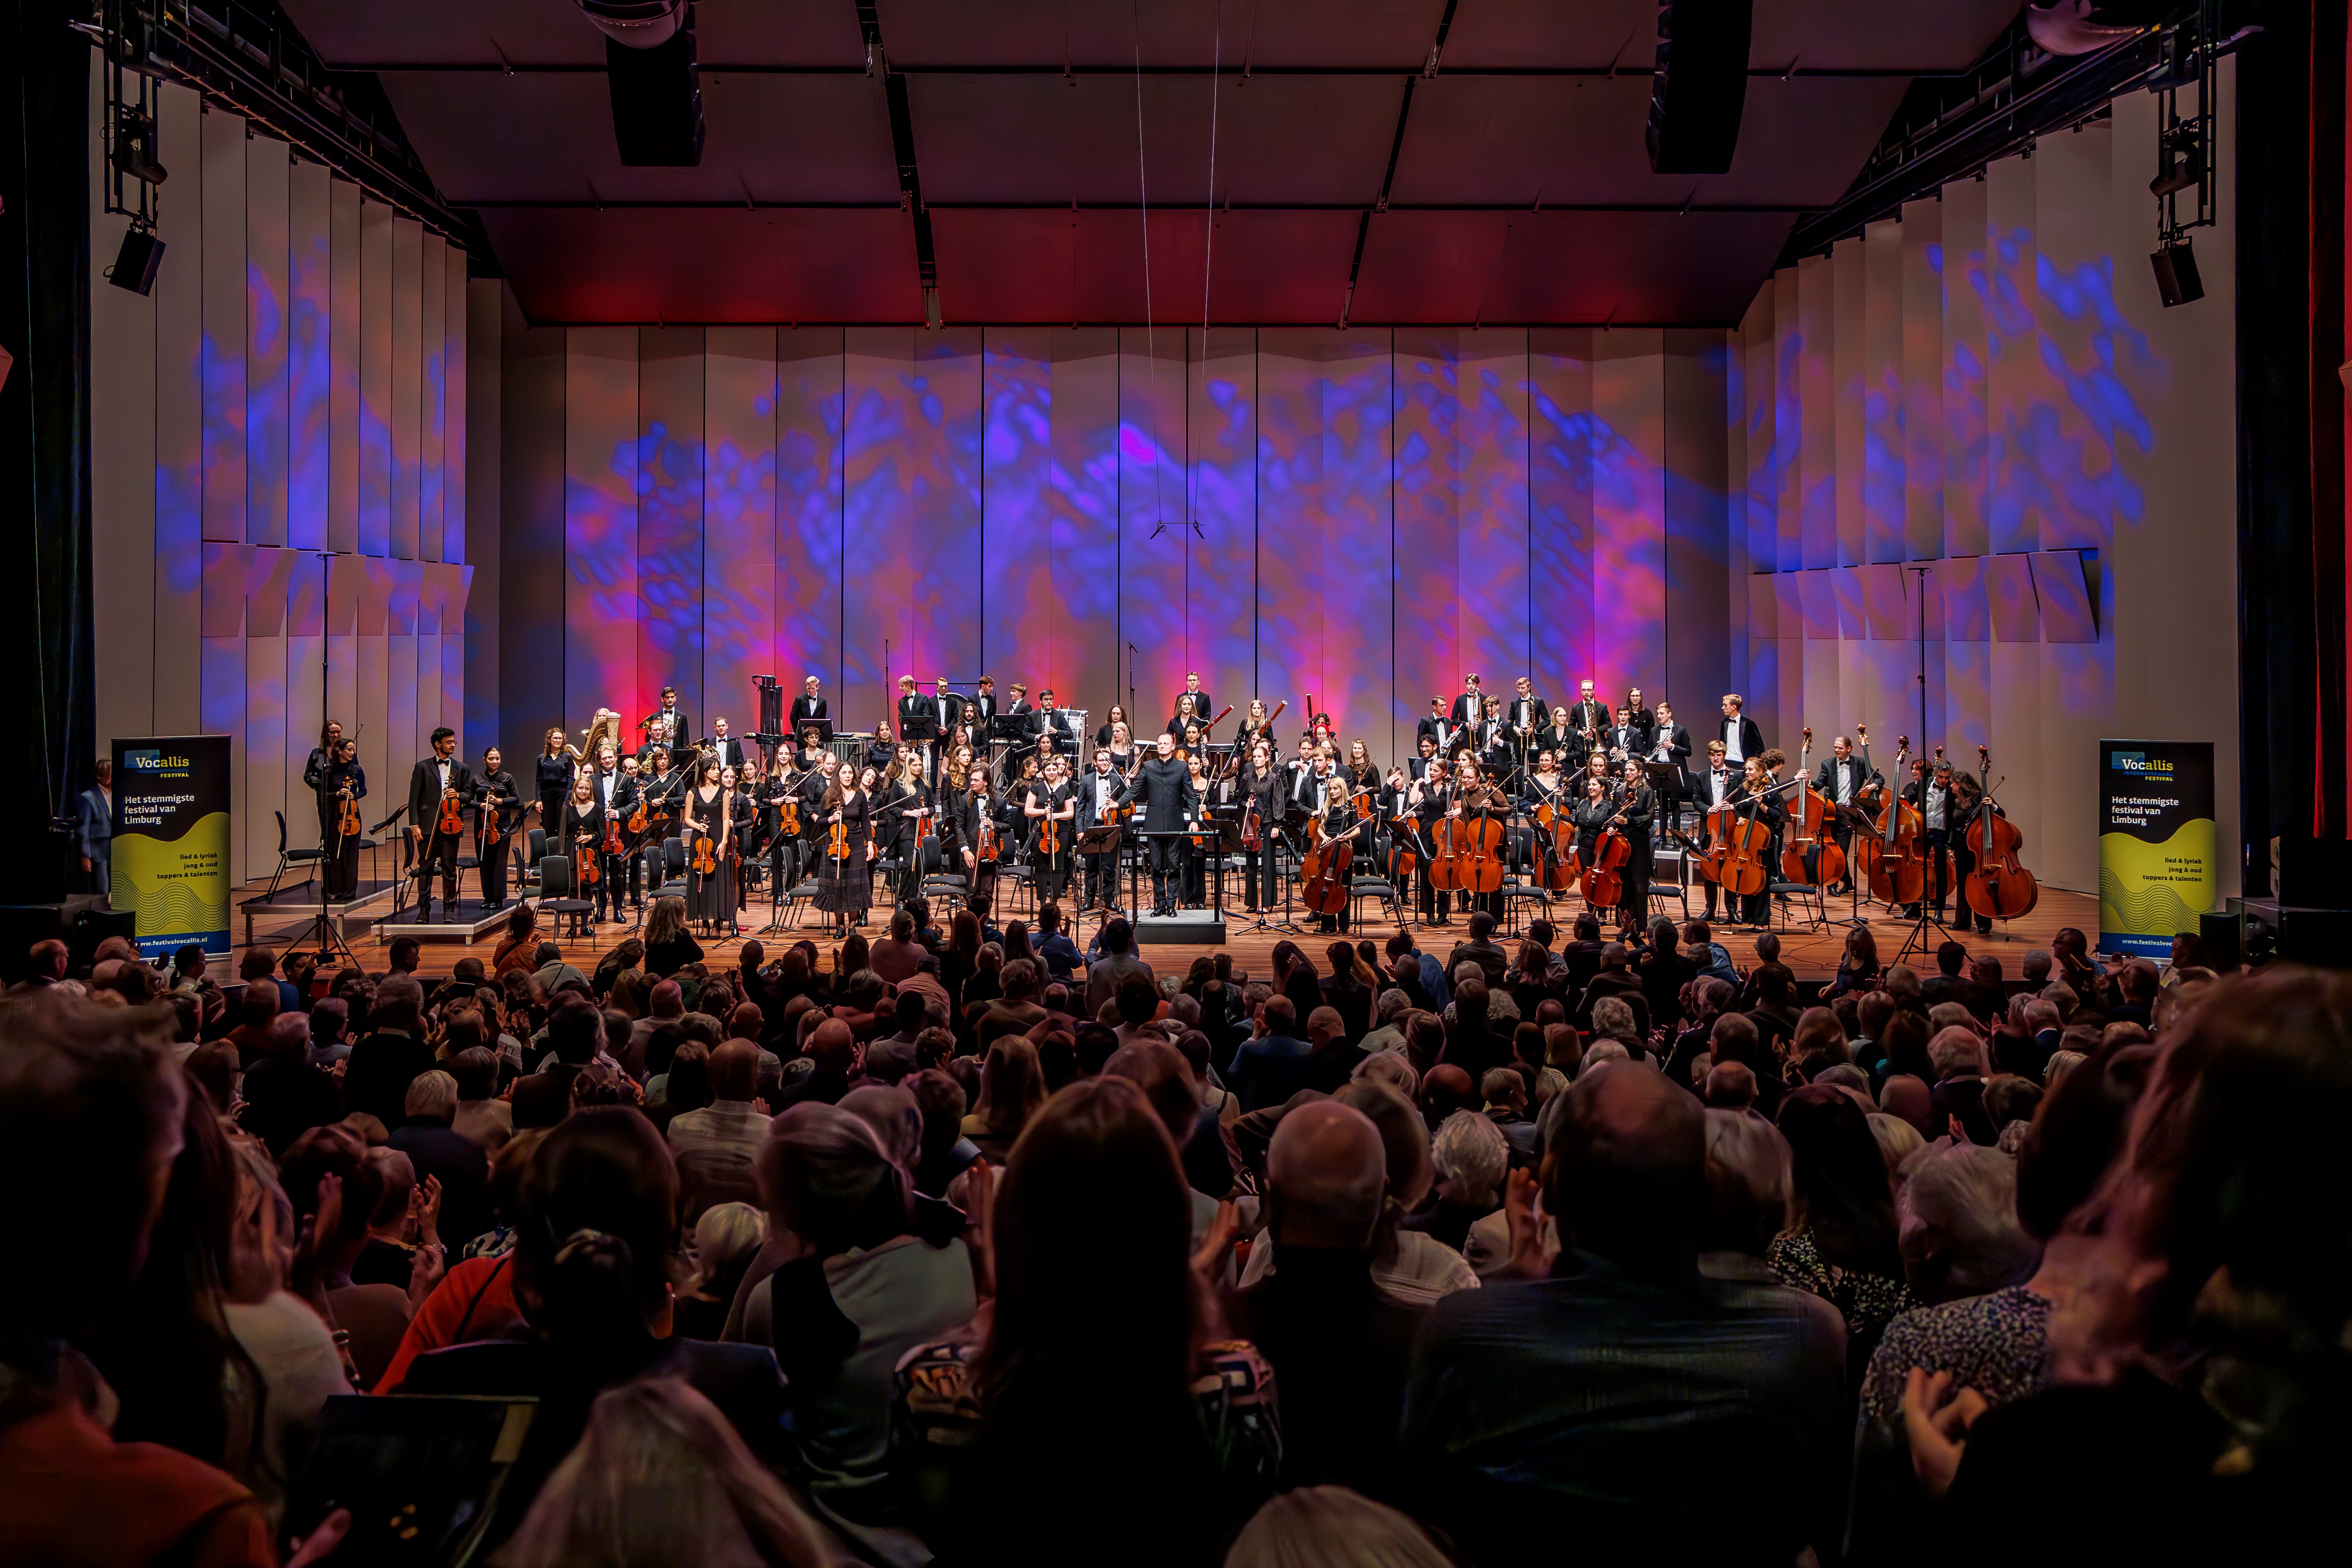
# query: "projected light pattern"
[[986, 502]]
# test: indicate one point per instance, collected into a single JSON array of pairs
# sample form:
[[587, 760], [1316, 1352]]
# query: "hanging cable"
[[1208, 259], [1143, 204]]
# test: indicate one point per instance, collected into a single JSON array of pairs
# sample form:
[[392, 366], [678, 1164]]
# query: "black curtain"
[[44, 631]]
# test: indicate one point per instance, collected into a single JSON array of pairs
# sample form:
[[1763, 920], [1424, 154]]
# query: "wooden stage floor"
[[1812, 953]]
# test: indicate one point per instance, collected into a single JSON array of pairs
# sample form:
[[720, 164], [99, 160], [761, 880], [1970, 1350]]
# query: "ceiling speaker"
[[1700, 85], [656, 98]]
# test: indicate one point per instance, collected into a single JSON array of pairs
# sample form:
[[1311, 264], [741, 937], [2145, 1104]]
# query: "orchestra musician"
[[1590, 715], [709, 898], [1054, 729], [617, 793], [1528, 713], [1112, 720], [816, 785], [1591, 815], [1546, 785], [633, 776], [1100, 793], [1262, 794], [553, 781], [579, 830], [1711, 786], [845, 889], [725, 747], [662, 788], [1334, 810], [666, 725], [808, 707], [1754, 800], [1255, 727], [1426, 799], [339, 777], [1838, 781], [1200, 850], [1203, 709], [430, 848], [1469, 707], [1186, 716], [1563, 740], [1740, 737], [1163, 790], [1642, 714], [1434, 726], [918, 721], [981, 709], [1018, 706], [1637, 805], [495, 791], [976, 824], [1472, 795], [880, 749], [1052, 799]]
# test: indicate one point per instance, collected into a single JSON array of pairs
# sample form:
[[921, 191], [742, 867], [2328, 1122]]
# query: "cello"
[[1480, 845], [1746, 841], [1324, 867], [1888, 855], [1998, 888], [1604, 883], [1556, 835]]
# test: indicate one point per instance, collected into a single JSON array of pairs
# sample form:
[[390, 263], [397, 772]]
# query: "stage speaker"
[[94, 925], [2177, 282], [137, 262], [657, 100], [2270, 930], [1700, 85]]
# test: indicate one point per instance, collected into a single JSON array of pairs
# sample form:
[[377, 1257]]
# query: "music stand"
[[1103, 838]]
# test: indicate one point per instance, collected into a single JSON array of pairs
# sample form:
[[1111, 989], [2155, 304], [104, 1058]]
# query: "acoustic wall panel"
[[220, 267], [811, 410], [1153, 501], [600, 524], [375, 408], [265, 340], [122, 492], [309, 355], [1629, 508], [1221, 428], [1559, 515], [738, 556], [672, 599], [407, 386]]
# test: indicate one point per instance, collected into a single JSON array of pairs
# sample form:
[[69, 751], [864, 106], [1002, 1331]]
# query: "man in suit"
[[94, 828], [1019, 705], [616, 792], [380, 1069], [668, 725], [1740, 737], [1528, 713], [1711, 786], [1271, 1066], [1669, 742], [1435, 726], [1628, 738], [809, 705], [1100, 791], [1589, 714], [1163, 788], [1471, 698], [1202, 710], [1057, 729], [983, 703], [1417, 768], [1944, 831], [726, 748], [429, 782], [1839, 781]]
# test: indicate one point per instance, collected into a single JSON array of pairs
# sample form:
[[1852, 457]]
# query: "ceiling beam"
[[510, 68]]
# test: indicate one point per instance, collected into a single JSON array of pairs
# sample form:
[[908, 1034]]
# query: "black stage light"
[[2179, 160], [652, 77], [136, 264], [2177, 282], [1700, 85], [134, 145]]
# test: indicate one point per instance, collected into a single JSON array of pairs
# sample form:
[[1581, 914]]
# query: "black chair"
[[288, 859], [558, 895]]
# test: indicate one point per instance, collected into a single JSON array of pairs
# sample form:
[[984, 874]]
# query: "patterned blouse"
[[939, 1406], [1997, 1344], [1868, 1300]]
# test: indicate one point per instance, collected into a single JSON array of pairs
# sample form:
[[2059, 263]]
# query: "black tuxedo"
[[1592, 714], [1677, 738], [1752, 738], [1460, 713], [1055, 732], [436, 848], [1825, 777], [1438, 728], [922, 717], [806, 710], [681, 728], [730, 752], [1530, 711], [1164, 791]]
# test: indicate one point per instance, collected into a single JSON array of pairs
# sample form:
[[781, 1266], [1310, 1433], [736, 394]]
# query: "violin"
[[984, 851], [788, 816], [590, 871], [637, 817], [348, 825], [1049, 838], [451, 820], [704, 852], [1604, 881], [1888, 855], [2000, 887], [612, 845]]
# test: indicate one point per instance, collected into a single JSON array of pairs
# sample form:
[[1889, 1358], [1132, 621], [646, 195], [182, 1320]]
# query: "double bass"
[[2000, 887], [1473, 845], [1888, 855], [1810, 855]]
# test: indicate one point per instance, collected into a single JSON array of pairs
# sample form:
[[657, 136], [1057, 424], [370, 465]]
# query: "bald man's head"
[[1625, 1171], [1324, 1025], [832, 1047], [1327, 1173]]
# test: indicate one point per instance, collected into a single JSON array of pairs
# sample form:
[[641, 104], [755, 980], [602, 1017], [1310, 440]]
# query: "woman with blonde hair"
[[1012, 1088], [1332, 1527], [661, 1476]]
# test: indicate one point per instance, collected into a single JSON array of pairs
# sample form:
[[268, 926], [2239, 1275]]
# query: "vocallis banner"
[[2157, 864], [170, 841]]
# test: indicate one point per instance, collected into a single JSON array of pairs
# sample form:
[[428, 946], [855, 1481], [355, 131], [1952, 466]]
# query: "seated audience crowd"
[[945, 1250]]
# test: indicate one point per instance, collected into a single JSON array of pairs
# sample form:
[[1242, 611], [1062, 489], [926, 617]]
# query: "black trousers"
[[1052, 882], [436, 854], [1634, 899], [1102, 880], [1257, 877], [494, 856], [1167, 856], [612, 882]]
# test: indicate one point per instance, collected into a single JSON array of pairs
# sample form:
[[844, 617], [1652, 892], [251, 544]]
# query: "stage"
[[1812, 955]]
